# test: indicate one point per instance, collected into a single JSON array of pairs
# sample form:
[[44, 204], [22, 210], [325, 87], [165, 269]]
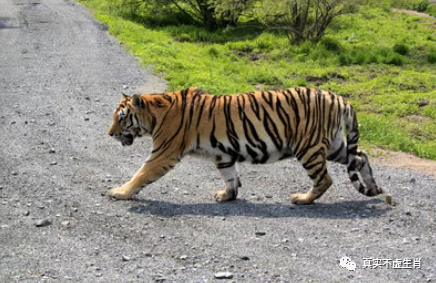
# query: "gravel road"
[[61, 75]]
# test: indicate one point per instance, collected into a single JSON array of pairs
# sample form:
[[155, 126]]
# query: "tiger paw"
[[300, 199], [225, 195], [119, 193]]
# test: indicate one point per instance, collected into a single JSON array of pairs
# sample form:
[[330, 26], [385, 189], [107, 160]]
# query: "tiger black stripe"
[[159, 130], [297, 116], [241, 105], [212, 106], [272, 130], [307, 108], [333, 156], [194, 104], [231, 133], [168, 142], [254, 105], [284, 118], [200, 112], [268, 98], [288, 95], [253, 154]]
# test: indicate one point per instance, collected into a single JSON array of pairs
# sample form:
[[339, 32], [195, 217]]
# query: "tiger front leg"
[[230, 175], [151, 171]]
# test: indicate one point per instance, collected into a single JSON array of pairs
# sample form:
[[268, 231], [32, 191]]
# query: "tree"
[[304, 20], [229, 11]]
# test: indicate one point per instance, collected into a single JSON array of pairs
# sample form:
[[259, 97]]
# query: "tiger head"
[[129, 120]]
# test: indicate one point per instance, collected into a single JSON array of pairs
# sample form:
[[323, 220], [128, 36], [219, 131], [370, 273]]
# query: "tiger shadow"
[[353, 209]]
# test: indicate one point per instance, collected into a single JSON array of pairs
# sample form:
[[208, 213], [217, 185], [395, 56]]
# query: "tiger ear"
[[125, 96], [137, 101]]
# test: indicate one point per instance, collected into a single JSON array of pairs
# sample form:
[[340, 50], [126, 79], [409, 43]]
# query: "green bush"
[[360, 57], [264, 45], [394, 59], [331, 44], [401, 49], [345, 59], [431, 56], [244, 46], [213, 52], [265, 77], [421, 6]]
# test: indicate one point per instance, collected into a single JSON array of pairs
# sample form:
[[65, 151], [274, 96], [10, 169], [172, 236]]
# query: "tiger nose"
[[111, 134]]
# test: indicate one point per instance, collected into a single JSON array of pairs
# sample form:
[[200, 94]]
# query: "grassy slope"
[[394, 94]]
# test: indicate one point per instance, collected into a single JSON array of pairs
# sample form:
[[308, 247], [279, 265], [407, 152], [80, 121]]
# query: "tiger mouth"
[[125, 139]]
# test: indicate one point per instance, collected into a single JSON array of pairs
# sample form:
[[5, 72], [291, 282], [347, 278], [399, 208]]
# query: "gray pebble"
[[125, 258], [53, 163], [260, 233], [223, 275], [43, 223], [52, 150]]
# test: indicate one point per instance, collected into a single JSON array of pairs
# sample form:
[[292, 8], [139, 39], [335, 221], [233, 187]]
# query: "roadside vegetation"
[[384, 61]]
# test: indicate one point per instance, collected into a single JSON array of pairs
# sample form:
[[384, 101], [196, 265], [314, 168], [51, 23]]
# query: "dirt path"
[[60, 78], [404, 160]]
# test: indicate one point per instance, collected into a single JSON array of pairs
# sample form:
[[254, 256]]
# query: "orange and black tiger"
[[259, 127]]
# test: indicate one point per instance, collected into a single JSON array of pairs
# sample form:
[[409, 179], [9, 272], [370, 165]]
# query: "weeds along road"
[[60, 79]]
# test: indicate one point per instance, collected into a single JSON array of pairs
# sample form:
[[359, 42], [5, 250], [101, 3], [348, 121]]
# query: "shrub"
[[345, 59], [431, 56], [266, 78], [421, 6], [401, 49], [243, 46], [394, 59], [264, 45], [306, 20], [213, 52], [331, 44]]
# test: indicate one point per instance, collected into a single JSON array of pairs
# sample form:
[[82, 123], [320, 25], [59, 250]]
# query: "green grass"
[[384, 62]]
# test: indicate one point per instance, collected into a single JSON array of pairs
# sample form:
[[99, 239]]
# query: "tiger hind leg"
[[316, 168], [230, 175]]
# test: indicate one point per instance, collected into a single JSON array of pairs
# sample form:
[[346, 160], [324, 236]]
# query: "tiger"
[[312, 125]]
